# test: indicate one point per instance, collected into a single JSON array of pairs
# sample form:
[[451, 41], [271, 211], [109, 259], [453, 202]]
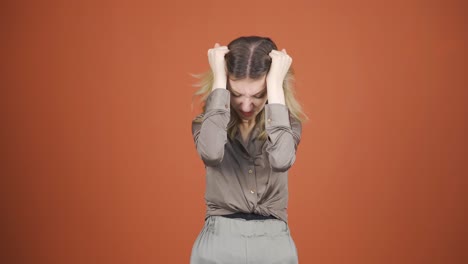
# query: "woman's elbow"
[[212, 158], [282, 163]]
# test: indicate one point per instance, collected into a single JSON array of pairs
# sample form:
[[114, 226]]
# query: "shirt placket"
[[251, 177], [252, 183]]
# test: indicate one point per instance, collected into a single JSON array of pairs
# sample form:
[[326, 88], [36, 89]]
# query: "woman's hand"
[[218, 65], [280, 64]]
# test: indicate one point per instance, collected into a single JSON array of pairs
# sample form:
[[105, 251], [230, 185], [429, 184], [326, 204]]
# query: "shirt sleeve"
[[284, 135], [210, 135]]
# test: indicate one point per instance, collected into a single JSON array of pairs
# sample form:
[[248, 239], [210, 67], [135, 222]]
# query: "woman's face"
[[248, 97]]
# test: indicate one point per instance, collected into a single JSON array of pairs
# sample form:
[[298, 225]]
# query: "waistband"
[[222, 226], [249, 216]]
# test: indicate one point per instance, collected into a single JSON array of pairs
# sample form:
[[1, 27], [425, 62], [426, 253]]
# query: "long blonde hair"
[[248, 58]]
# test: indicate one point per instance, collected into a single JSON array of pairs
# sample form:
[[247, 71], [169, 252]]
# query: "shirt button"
[[269, 120], [250, 171], [252, 191]]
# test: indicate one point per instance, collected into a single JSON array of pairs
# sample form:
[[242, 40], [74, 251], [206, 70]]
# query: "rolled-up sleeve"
[[284, 135], [210, 135]]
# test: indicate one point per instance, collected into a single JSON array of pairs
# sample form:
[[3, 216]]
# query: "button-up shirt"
[[252, 176]]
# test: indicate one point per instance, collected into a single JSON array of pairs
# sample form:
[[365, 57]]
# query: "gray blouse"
[[251, 177]]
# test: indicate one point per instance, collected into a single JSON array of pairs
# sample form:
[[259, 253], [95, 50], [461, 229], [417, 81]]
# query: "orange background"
[[98, 161]]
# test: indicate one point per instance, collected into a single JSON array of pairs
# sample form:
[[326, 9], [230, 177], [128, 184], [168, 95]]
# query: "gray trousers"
[[238, 241]]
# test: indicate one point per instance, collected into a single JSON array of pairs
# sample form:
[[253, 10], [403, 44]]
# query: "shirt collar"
[[255, 132]]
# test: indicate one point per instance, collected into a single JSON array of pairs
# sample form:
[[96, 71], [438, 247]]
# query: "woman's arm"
[[284, 132], [210, 135]]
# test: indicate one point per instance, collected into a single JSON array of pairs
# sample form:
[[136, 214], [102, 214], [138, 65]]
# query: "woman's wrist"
[[275, 94], [219, 83]]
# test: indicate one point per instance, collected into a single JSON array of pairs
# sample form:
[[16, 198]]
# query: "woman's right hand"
[[218, 65]]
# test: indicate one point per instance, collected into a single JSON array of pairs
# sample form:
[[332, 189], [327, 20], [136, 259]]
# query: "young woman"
[[247, 137]]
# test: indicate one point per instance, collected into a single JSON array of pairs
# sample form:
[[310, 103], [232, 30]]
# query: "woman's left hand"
[[280, 64]]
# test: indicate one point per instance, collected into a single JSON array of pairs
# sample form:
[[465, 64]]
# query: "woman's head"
[[247, 64]]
